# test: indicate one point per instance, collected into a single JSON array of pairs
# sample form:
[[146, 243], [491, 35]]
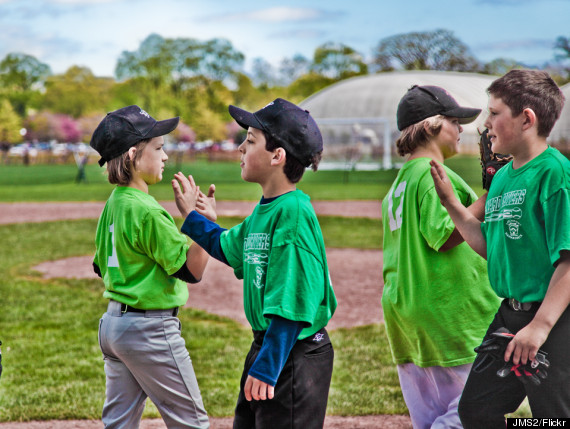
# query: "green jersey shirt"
[[279, 253], [527, 225], [437, 306], [139, 247]]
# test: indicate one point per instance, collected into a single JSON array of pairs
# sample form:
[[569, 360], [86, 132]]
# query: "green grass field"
[[56, 182], [53, 367]]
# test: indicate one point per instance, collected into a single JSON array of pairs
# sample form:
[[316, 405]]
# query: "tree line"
[[197, 79]]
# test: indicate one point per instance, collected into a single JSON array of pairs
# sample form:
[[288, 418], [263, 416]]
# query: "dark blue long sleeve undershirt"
[[281, 334], [206, 234], [279, 339]]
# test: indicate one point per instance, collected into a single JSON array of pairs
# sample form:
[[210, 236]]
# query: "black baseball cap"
[[292, 127], [421, 102], [124, 128]]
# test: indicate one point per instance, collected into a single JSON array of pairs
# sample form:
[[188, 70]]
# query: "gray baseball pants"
[[145, 356]]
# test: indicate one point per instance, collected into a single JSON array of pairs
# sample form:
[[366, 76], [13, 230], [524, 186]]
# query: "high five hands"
[[188, 197]]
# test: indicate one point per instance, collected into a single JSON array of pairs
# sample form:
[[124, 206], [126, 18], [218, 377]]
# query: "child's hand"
[[257, 390], [442, 184], [526, 343], [206, 204], [185, 196]]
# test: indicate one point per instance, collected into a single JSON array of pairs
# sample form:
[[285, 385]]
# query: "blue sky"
[[93, 33]]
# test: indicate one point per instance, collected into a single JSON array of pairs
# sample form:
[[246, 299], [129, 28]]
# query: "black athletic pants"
[[301, 392], [487, 397]]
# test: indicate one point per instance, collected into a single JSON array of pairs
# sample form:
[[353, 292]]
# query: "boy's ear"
[[428, 129], [279, 156], [132, 151], [529, 118]]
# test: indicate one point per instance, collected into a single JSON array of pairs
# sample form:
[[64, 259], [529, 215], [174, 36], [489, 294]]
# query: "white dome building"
[[358, 116], [560, 134]]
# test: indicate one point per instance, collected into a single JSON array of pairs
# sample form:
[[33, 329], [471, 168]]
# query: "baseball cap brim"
[[244, 118], [161, 128], [466, 115]]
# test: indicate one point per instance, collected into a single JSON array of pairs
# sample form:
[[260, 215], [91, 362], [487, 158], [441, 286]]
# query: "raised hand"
[[206, 204], [442, 183], [186, 193]]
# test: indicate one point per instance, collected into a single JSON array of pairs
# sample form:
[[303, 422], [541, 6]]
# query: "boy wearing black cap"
[[144, 262], [436, 298], [279, 253]]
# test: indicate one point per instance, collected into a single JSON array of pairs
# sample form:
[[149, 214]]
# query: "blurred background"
[[65, 63]]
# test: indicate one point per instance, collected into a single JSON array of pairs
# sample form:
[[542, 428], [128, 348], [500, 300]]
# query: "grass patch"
[[55, 182], [53, 368]]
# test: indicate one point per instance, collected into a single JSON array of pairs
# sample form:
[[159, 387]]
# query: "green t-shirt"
[[527, 224], [279, 253], [139, 247], [437, 306]]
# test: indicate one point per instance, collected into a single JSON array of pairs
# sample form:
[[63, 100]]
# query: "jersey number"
[[113, 261], [396, 216]]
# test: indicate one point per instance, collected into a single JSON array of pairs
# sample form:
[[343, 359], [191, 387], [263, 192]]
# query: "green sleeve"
[[295, 284], [557, 223], [231, 241], [160, 239]]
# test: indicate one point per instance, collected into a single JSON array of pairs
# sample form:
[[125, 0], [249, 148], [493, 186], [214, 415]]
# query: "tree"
[[219, 60], [263, 73], [167, 73], [77, 92], [562, 48], [338, 61], [175, 61], [431, 50], [307, 85], [500, 66], [562, 44], [10, 124], [46, 126], [21, 78], [292, 69]]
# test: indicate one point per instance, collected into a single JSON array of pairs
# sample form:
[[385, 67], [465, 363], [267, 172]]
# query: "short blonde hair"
[[119, 169], [417, 135]]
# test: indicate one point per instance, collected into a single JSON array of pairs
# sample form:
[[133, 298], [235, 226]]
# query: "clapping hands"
[[188, 197]]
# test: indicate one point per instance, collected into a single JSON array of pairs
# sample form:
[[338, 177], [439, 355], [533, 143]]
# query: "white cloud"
[[79, 2], [277, 14]]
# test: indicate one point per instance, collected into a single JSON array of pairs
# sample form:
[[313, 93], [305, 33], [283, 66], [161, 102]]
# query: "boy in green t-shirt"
[[526, 240], [279, 253], [144, 262]]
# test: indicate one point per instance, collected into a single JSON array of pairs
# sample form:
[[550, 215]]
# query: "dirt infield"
[[44, 212], [356, 276]]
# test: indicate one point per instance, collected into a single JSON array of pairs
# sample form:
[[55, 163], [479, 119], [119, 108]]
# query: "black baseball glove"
[[493, 349], [490, 162], [534, 371]]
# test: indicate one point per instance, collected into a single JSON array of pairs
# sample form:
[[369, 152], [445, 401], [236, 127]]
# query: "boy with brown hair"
[[279, 253], [526, 240], [145, 263]]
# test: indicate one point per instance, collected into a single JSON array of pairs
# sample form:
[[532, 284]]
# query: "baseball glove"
[[490, 162], [493, 349], [534, 371]]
